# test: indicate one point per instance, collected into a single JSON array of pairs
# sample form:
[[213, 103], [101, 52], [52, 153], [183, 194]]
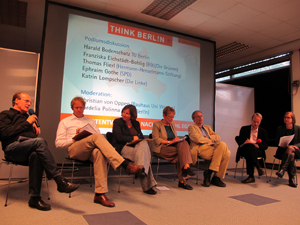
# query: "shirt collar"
[[73, 117], [256, 130]]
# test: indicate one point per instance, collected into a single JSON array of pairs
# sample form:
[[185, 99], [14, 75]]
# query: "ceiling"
[[269, 26], [262, 24]]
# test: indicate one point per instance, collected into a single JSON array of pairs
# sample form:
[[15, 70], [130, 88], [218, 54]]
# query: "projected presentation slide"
[[111, 65]]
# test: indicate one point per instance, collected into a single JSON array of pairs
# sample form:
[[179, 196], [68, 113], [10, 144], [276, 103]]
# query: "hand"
[[31, 119], [247, 141], [256, 146], [135, 138], [36, 129], [295, 147], [175, 139], [77, 130]]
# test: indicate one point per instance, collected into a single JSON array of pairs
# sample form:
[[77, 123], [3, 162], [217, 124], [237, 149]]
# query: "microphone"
[[31, 112]]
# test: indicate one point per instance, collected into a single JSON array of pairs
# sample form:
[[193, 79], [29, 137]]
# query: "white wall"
[[234, 109]]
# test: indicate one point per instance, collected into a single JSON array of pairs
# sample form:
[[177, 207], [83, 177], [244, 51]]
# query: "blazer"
[[281, 132], [122, 133], [197, 139], [159, 134], [196, 136], [245, 133]]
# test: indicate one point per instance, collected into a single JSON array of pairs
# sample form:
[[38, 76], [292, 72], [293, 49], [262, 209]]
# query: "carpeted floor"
[[259, 202]]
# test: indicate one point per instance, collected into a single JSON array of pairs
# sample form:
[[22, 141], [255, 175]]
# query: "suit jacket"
[[281, 132], [245, 133], [122, 133], [159, 134], [197, 139]]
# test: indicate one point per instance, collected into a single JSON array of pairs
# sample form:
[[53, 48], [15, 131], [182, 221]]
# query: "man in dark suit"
[[253, 141]]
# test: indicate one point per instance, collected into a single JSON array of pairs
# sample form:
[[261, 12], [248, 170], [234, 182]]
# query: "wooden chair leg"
[[157, 167], [119, 188], [265, 170], [91, 172], [272, 170], [47, 186], [198, 168], [72, 175], [235, 170], [243, 168], [295, 164], [9, 180]]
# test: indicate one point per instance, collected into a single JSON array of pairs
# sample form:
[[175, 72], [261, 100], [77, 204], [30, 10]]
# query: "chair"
[[199, 159], [238, 157], [12, 164], [158, 161], [84, 163], [259, 158], [110, 138], [279, 166]]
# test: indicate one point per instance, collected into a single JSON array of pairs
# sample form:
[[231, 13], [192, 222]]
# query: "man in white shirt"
[[206, 144], [94, 147]]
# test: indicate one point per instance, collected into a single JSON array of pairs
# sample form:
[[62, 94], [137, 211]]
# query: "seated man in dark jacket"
[[20, 144], [253, 141]]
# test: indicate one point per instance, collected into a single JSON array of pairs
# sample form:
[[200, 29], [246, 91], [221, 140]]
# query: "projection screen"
[[112, 62]]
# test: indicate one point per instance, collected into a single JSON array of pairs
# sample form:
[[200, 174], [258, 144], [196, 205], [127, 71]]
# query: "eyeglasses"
[[27, 101], [287, 117]]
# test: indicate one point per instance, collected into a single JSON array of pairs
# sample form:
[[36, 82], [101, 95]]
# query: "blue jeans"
[[36, 153]]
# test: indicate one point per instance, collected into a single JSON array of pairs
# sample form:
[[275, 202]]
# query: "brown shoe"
[[103, 200], [133, 169]]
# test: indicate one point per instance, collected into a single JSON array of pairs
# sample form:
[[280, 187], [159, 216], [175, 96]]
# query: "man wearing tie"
[[253, 141]]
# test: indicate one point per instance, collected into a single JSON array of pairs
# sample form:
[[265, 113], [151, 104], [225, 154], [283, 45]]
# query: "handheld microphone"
[[31, 112]]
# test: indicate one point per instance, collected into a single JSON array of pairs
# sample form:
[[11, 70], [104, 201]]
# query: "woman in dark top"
[[290, 152], [164, 133], [127, 129]]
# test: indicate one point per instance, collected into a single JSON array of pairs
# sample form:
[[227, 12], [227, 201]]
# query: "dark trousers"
[[36, 153], [250, 153]]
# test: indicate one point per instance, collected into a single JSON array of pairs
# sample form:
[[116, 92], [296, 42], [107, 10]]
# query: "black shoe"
[[217, 182], [248, 180], [206, 180], [63, 185], [151, 191], [187, 172], [260, 172], [38, 203], [185, 185], [292, 182]]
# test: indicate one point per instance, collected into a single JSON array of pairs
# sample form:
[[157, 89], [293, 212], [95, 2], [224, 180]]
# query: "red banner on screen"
[[140, 34]]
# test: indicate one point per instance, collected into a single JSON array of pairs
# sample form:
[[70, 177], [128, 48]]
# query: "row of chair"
[[262, 158], [109, 138]]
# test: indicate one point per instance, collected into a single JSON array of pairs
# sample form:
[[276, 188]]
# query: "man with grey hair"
[[253, 141], [206, 144]]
